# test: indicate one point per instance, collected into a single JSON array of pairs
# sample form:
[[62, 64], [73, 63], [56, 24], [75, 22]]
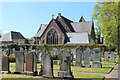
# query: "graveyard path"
[[113, 74], [86, 73]]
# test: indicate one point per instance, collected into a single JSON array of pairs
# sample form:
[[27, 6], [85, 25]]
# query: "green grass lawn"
[[104, 69], [25, 77]]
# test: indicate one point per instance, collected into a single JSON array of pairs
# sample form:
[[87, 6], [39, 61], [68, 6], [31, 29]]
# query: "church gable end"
[[65, 23], [53, 34]]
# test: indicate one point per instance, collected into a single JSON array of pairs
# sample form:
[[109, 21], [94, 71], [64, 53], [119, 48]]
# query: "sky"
[[26, 17]]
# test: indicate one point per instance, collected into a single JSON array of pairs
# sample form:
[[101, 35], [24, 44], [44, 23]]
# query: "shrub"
[[12, 58], [55, 57]]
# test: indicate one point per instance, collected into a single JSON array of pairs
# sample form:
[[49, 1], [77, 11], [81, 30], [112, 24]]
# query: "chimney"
[[59, 14]]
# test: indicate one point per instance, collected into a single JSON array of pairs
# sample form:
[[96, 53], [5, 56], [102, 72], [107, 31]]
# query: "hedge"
[[59, 46]]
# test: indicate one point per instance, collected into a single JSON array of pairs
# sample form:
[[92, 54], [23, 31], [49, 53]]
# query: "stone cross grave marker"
[[96, 58], [19, 61], [87, 57], [78, 57], [63, 63]]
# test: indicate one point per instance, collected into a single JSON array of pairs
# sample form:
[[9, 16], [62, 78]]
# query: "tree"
[[99, 38], [106, 16]]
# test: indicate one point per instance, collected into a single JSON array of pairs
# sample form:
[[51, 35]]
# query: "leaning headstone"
[[86, 58], [96, 58], [19, 61], [31, 63], [65, 67], [78, 57], [4, 61], [47, 66]]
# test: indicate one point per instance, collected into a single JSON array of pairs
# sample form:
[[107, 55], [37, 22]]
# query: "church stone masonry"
[[64, 31]]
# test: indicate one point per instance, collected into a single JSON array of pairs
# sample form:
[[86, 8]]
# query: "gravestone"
[[106, 56], [112, 55], [78, 57], [31, 63], [19, 61], [4, 61], [96, 58], [86, 58], [74, 53], [41, 70], [65, 67], [47, 66]]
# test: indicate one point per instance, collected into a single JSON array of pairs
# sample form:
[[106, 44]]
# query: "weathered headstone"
[[87, 58], [78, 57], [65, 67], [96, 58], [19, 61], [4, 61], [112, 55], [47, 66], [106, 56], [31, 63]]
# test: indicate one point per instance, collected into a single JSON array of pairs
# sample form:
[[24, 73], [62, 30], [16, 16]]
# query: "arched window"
[[52, 37]]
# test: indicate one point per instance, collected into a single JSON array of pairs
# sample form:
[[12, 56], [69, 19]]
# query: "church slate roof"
[[78, 38], [82, 27], [12, 35], [41, 30]]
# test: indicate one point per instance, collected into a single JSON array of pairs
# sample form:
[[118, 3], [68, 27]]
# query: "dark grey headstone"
[[19, 61], [96, 58], [106, 56], [112, 56], [86, 57], [78, 57], [4, 61], [47, 66]]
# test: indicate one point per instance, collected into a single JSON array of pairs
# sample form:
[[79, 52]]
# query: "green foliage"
[[106, 15], [55, 57], [12, 58], [47, 47]]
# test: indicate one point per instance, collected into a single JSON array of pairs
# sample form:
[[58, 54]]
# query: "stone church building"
[[64, 31]]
